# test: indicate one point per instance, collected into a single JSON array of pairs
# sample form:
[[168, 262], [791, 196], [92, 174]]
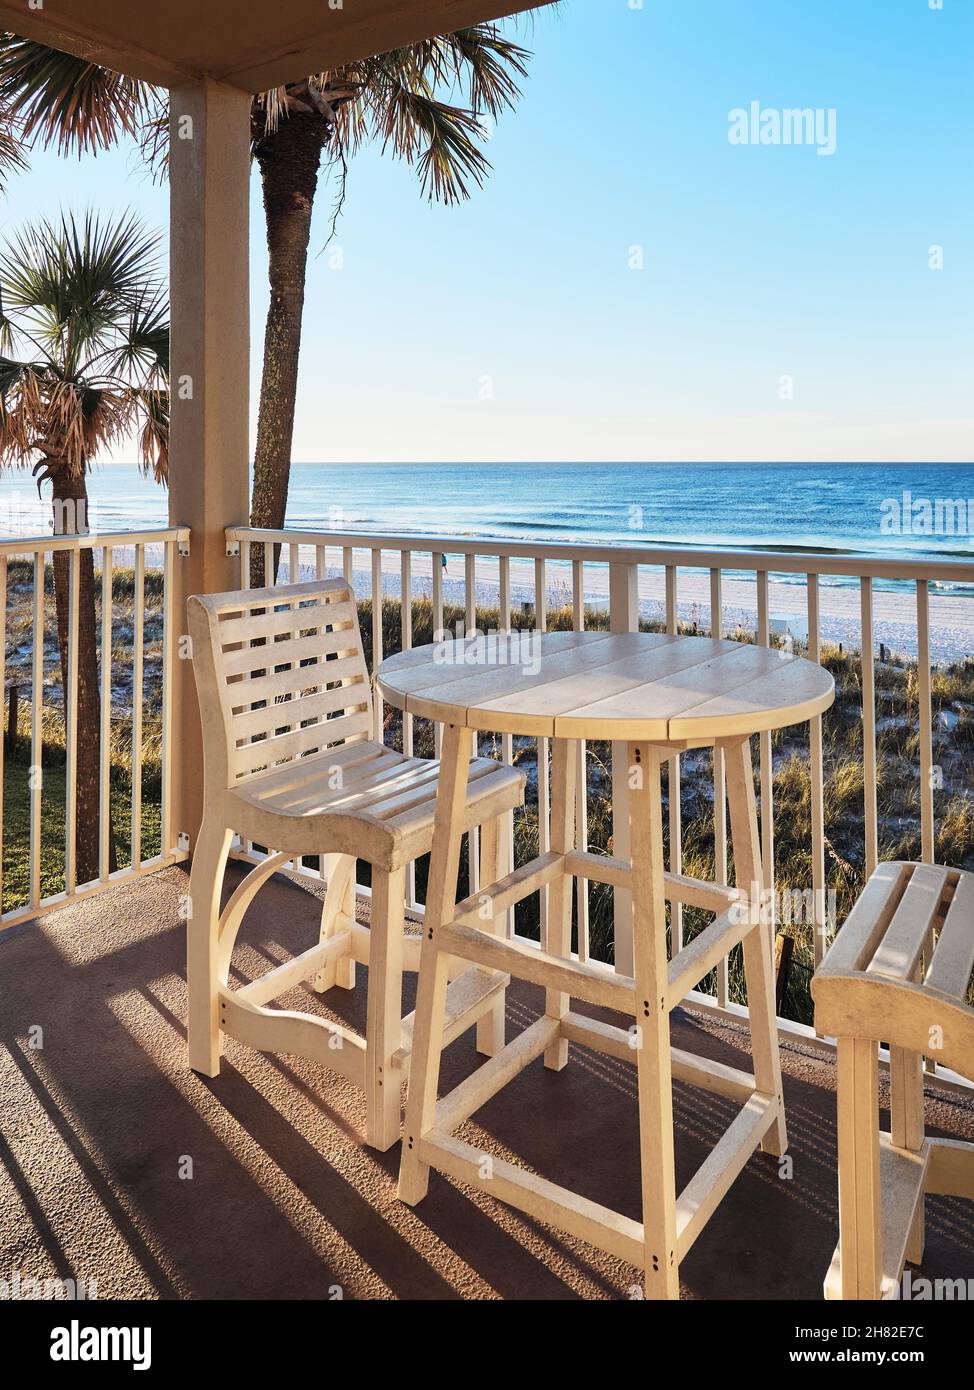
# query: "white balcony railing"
[[134, 636], [583, 579]]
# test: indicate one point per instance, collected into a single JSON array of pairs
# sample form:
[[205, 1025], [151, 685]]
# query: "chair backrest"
[[280, 674]]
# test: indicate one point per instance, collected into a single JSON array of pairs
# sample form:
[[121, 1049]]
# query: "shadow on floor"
[[119, 1165]]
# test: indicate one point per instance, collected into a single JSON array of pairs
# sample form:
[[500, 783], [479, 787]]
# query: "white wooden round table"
[[651, 695]]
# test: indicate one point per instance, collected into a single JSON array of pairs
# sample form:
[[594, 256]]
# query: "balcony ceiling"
[[246, 43]]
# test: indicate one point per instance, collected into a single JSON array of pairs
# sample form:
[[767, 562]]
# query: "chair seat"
[[362, 799], [901, 964]]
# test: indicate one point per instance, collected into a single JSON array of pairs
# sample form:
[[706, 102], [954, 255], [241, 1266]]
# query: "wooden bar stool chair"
[[286, 707], [898, 972]]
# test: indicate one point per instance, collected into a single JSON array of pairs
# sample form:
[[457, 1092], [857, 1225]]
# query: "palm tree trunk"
[[72, 491], [289, 161]]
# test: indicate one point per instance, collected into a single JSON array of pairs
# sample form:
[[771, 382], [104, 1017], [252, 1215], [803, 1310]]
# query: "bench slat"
[[856, 940], [953, 958], [900, 949]]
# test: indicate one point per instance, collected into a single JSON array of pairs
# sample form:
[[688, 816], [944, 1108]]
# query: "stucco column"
[[209, 174]]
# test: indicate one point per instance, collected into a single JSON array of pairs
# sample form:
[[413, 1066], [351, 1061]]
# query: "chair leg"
[[907, 1127], [424, 1069], [491, 1027], [860, 1224], [383, 1033], [757, 948], [339, 898], [653, 1067], [558, 937], [203, 981]]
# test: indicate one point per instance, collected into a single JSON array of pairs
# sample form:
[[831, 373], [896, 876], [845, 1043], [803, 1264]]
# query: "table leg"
[[661, 1268], [558, 933], [424, 1071], [757, 945]]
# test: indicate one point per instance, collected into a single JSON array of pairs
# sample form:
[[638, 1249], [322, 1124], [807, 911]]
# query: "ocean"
[[761, 506], [909, 509]]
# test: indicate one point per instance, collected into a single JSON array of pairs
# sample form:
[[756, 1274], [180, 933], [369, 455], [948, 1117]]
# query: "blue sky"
[[514, 328]]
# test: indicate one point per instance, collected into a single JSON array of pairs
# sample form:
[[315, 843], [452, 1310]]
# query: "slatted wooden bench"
[[898, 972]]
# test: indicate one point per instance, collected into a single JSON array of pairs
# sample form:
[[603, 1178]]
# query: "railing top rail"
[[92, 540], [850, 563]]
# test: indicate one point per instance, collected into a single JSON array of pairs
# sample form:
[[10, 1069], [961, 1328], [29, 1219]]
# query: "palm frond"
[[425, 102], [488, 65], [64, 101], [12, 156], [154, 434], [439, 140]]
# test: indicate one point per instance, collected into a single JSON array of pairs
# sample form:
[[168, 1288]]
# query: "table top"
[[641, 686]]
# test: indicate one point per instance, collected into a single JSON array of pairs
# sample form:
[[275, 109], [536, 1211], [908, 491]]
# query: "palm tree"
[[398, 98], [84, 364], [391, 98]]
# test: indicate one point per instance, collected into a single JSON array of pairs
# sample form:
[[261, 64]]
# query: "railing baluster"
[[436, 598], [623, 617], [3, 684], [270, 579], [378, 713], [244, 564], [294, 564], [436, 592], [820, 915], [105, 715], [37, 731], [544, 826], [166, 837], [720, 777], [868, 658], [138, 654], [71, 726], [470, 593], [507, 741], [926, 722], [470, 627], [348, 565], [406, 625], [321, 572], [766, 764], [581, 801], [674, 789]]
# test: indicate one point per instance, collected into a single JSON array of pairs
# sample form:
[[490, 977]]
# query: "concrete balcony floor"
[[97, 1124]]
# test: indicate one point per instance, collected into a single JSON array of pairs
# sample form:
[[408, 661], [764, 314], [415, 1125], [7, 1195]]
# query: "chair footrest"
[[468, 997], [543, 1200], [301, 1035], [583, 981], [902, 1177], [293, 972], [686, 1067]]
